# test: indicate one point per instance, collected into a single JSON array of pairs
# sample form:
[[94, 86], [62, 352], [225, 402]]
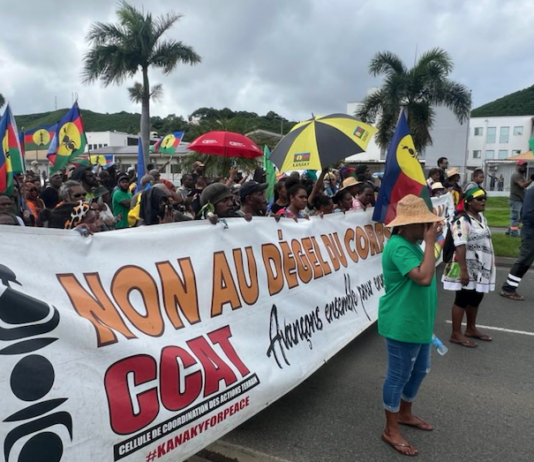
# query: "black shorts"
[[465, 298]]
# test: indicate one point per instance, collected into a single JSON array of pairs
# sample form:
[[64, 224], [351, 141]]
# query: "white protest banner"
[[148, 344]]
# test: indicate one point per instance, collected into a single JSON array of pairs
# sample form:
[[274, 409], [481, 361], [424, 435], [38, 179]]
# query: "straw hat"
[[452, 171], [437, 185], [350, 181], [412, 209]]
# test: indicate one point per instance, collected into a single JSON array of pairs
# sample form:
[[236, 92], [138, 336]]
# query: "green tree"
[[2, 100], [119, 51], [417, 89]]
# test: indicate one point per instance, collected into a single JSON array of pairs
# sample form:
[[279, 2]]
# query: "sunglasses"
[[79, 195]]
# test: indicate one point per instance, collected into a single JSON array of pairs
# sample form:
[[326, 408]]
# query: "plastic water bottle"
[[438, 344]]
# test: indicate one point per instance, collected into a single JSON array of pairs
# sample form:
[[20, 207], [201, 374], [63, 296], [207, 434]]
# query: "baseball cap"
[[250, 187], [521, 162], [215, 193], [123, 176]]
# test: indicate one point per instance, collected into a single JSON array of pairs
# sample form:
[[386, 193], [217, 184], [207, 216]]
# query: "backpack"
[[448, 247]]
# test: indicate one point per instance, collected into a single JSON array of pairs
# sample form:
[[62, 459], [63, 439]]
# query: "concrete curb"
[[506, 262], [221, 451]]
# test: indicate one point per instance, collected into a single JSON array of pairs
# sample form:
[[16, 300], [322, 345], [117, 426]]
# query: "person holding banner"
[[406, 315]]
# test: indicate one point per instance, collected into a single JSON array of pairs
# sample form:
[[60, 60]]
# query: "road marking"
[[501, 329]]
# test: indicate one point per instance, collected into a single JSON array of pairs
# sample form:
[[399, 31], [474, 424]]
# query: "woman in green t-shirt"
[[406, 315]]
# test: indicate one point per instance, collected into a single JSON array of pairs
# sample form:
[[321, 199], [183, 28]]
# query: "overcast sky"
[[294, 57]]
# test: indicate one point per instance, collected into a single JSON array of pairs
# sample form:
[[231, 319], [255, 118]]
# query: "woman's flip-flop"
[[420, 424], [467, 343], [400, 446], [483, 337]]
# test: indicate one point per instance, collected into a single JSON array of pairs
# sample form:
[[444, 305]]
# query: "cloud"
[[294, 57]]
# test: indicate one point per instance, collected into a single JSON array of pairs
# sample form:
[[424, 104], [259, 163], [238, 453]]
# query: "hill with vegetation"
[[200, 121], [515, 104]]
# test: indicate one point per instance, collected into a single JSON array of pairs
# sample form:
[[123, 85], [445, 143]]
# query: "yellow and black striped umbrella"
[[316, 143]]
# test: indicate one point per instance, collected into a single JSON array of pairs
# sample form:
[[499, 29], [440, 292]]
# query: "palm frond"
[[386, 128], [169, 53], [163, 23], [136, 92], [108, 63], [104, 33], [438, 58], [421, 120], [156, 92], [370, 107], [386, 63], [456, 97]]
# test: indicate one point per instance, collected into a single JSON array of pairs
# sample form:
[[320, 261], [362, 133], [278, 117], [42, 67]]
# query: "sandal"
[[400, 447], [512, 296], [467, 343], [483, 337], [421, 424]]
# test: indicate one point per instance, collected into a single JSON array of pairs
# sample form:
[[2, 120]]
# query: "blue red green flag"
[[39, 138], [169, 143], [11, 142], [69, 140], [6, 173], [403, 174]]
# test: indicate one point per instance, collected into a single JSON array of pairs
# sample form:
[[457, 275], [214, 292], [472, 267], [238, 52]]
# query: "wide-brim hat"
[[411, 210], [214, 193], [453, 171], [437, 185], [350, 181]]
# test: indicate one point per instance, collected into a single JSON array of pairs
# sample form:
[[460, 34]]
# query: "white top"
[[480, 259]]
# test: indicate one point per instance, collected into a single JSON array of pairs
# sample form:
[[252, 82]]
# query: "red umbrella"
[[226, 144]]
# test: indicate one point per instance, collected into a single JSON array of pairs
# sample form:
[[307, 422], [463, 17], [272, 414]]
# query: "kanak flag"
[[11, 142], [403, 174], [39, 138], [169, 143], [7, 137], [69, 140]]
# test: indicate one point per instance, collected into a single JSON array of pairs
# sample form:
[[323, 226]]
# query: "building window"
[[99, 146], [491, 134], [518, 131], [477, 154], [479, 131], [176, 169], [503, 154], [490, 154], [504, 135], [105, 145], [516, 151]]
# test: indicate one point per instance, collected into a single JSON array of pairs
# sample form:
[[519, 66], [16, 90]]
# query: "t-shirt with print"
[[517, 193], [407, 311]]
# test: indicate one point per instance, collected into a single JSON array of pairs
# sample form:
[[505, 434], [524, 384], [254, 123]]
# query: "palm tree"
[[418, 89], [118, 51], [2, 100]]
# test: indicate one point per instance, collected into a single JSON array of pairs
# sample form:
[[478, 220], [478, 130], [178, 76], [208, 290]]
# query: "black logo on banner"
[[33, 375]]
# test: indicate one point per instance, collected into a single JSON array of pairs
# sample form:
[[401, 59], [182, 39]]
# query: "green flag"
[[531, 144], [270, 173]]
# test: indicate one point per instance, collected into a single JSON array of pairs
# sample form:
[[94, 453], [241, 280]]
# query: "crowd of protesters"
[[91, 199]]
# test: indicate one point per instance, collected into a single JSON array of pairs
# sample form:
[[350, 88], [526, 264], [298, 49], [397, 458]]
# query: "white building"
[[496, 138], [97, 140], [492, 140]]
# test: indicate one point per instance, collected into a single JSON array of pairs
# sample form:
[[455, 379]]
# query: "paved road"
[[481, 401]]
